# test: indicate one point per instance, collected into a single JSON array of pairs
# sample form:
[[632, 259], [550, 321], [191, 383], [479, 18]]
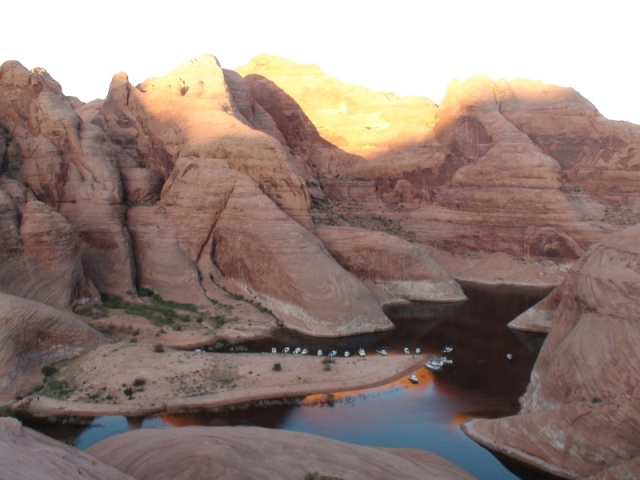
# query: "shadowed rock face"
[[580, 414], [40, 258], [251, 452], [34, 335], [69, 165], [25, 453], [403, 269]]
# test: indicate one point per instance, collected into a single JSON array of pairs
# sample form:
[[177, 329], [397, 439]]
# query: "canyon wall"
[[580, 415]]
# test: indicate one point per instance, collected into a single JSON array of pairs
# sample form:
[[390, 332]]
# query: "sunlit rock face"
[[69, 165], [25, 453], [192, 111], [525, 168], [580, 414], [252, 452], [404, 270], [34, 335]]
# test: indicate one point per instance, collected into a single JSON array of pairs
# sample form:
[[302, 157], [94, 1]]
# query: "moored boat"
[[413, 378], [382, 351], [434, 365], [361, 352]]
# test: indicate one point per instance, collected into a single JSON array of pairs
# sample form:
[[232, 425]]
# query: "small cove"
[[481, 382]]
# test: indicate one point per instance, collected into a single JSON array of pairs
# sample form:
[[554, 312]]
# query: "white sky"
[[411, 47]]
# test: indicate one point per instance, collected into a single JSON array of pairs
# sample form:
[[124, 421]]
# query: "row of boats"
[[435, 364], [333, 353]]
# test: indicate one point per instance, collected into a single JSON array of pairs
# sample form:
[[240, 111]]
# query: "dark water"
[[481, 382]]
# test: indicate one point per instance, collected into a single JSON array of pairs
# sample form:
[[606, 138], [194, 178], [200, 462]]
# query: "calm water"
[[481, 382]]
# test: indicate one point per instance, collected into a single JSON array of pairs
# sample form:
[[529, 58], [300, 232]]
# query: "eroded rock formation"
[[251, 452], [580, 415], [25, 453], [69, 165], [404, 270], [34, 335]]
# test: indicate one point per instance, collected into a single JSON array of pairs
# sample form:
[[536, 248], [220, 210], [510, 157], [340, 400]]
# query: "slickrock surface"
[[219, 220], [25, 453], [405, 270], [580, 414], [33, 335], [252, 452]]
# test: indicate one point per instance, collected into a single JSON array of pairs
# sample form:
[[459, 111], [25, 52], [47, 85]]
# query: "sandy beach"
[[135, 380]]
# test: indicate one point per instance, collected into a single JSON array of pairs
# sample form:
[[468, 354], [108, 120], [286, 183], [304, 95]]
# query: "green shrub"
[[277, 367], [158, 348], [49, 370], [139, 382]]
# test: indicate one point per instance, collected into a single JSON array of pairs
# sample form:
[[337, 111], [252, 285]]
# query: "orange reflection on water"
[[424, 380]]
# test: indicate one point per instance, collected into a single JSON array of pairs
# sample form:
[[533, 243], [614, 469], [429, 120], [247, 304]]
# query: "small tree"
[[277, 367]]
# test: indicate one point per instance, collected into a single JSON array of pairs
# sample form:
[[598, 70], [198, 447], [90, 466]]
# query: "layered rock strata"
[[68, 164], [580, 415], [404, 270]]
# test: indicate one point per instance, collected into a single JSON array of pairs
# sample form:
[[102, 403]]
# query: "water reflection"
[[481, 382]]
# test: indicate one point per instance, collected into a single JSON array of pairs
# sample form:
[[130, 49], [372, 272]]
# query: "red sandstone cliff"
[[580, 415]]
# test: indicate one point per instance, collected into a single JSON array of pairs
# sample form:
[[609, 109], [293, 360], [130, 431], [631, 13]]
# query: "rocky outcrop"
[[581, 411], [25, 453], [34, 335], [192, 111], [39, 257], [404, 270], [215, 223], [252, 452], [68, 164], [484, 171]]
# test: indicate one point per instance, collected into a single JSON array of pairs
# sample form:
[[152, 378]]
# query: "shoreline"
[[300, 377]]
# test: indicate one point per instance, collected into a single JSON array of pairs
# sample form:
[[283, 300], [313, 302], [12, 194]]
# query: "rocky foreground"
[[203, 453]]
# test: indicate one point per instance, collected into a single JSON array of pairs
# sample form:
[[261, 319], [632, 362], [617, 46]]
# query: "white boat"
[[319, 352], [346, 353], [447, 349], [435, 365], [509, 356], [199, 350], [445, 361], [333, 353], [418, 350], [297, 350], [286, 350], [382, 351], [304, 351], [361, 352], [413, 378], [407, 351], [274, 350]]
